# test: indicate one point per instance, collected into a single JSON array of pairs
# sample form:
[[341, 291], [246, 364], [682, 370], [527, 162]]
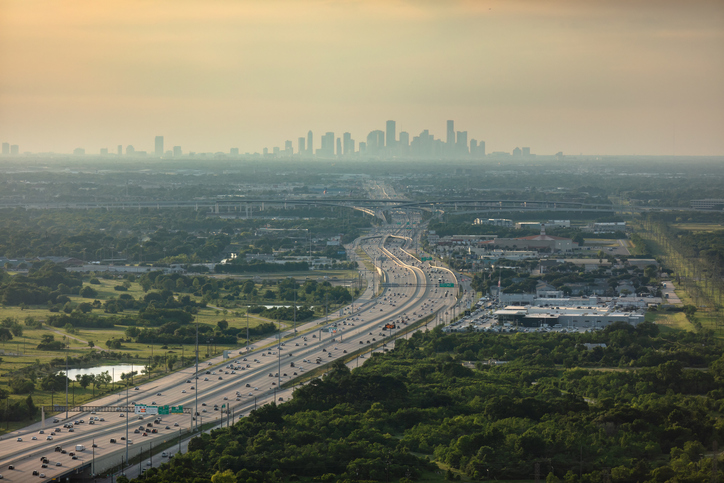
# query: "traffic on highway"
[[224, 390]]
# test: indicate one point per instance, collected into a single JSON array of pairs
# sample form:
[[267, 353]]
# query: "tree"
[[171, 361], [225, 477], [88, 292], [91, 344], [222, 324]]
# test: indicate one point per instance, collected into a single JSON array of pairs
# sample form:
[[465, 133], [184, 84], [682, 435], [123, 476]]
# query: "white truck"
[[79, 447]]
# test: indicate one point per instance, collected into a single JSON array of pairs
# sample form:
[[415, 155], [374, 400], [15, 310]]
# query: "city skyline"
[[378, 143], [607, 78]]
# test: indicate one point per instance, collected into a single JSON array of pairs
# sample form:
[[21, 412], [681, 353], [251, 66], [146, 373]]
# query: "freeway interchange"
[[224, 389]]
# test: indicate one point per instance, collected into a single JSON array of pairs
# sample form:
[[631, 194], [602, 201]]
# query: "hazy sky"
[[590, 76]]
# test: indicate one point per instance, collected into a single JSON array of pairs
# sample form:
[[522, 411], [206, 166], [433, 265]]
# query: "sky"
[[609, 77]]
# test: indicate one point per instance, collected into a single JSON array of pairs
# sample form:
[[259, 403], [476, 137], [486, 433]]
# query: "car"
[[41, 432], [164, 454], [175, 425], [81, 421], [154, 431], [206, 378], [192, 388], [19, 440], [58, 449], [153, 403], [220, 378], [188, 381], [11, 467], [101, 419], [167, 427], [135, 431], [140, 417], [36, 472], [226, 398], [113, 440], [136, 388], [71, 430], [74, 457], [158, 394], [203, 404], [145, 434], [44, 465], [203, 411], [149, 425], [56, 420], [248, 385], [94, 445], [183, 392], [121, 415], [34, 438], [58, 463], [49, 438]]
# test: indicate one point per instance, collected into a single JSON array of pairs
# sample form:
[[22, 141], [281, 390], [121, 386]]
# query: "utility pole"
[[196, 376], [67, 346]]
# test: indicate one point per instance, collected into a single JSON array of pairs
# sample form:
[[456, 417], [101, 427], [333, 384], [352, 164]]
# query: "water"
[[113, 371]]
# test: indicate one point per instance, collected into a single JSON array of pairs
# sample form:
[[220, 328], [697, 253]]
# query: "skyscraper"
[[450, 134], [104, 151], [6, 148], [390, 131], [375, 141], [119, 150], [288, 149], [130, 150], [14, 149], [177, 151], [159, 145], [462, 143], [339, 146], [526, 151], [481, 149], [301, 146], [234, 151], [327, 149], [310, 143], [403, 145], [347, 144]]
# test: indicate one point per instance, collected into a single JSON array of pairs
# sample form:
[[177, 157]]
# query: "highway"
[[409, 292]]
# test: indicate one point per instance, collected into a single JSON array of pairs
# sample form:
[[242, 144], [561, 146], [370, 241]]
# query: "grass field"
[[699, 227]]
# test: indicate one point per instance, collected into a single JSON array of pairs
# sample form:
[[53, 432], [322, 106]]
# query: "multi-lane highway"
[[409, 291]]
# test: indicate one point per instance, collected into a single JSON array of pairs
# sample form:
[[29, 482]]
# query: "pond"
[[114, 371]]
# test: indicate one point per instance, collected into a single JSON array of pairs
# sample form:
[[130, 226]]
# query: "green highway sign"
[[447, 285], [177, 409], [163, 410]]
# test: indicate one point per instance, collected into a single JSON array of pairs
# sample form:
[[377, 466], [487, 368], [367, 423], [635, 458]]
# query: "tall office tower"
[[327, 149], [481, 149], [78, 151], [347, 144], [517, 152], [288, 149], [403, 144], [234, 151], [462, 143], [362, 147], [375, 141], [14, 149], [266, 151], [310, 144], [119, 149], [177, 151], [526, 151], [391, 130], [6, 148], [159, 145], [130, 150], [104, 151], [301, 146], [473, 147], [339, 146], [276, 151], [451, 134]]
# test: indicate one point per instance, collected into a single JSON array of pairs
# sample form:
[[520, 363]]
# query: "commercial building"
[[708, 204], [590, 317], [159, 146]]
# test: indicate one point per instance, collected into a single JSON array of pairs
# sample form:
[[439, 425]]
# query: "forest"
[[623, 404]]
